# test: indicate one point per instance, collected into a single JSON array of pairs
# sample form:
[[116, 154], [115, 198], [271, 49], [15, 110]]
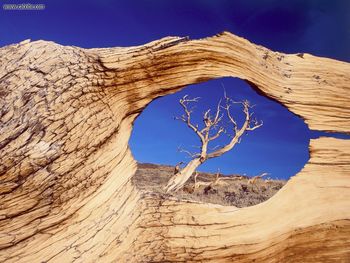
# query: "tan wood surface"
[[66, 115]]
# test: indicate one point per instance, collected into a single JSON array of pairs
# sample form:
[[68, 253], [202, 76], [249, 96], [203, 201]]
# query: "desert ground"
[[233, 189]]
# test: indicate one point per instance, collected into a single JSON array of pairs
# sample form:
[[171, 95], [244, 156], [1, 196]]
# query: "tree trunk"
[[66, 115], [178, 180]]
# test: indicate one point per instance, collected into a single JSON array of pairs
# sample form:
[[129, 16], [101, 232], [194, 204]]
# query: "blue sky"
[[319, 27]]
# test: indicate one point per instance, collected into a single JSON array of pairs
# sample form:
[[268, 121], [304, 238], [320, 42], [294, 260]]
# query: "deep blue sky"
[[280, 147]]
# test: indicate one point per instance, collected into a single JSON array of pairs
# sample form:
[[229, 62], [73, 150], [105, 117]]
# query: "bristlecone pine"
[[66, 115]]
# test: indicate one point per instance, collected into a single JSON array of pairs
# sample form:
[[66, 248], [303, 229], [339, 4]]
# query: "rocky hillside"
[[233, 190]]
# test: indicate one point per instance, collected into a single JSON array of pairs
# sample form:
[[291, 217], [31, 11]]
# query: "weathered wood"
[[66, 115]]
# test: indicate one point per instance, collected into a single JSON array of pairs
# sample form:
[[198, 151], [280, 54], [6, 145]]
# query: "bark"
[[66, 115], [179, 179]]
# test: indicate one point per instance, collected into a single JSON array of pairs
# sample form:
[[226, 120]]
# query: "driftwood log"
[[66, 114]]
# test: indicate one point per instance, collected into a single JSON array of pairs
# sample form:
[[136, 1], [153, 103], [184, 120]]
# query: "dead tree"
[[212, 129], [216, 181], [255, 178], [197, 183], [217, 178]]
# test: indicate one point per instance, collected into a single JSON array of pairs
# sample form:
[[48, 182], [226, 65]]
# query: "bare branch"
[[217, 179], [185, 99], [190, 154], [214, 148], [206, 116], [221, 130], [255, 178], [218, 118], [187, 116], [196, 146], [211, 123], [256, 125], [232, 120], [238, 132]]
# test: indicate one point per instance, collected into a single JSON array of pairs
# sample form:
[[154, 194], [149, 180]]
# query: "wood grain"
[[66, 115]]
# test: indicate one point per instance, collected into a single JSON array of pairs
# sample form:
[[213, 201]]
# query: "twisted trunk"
[[66, 115], [179, 179]]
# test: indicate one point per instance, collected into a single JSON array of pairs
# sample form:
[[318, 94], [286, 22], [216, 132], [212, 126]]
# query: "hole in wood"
[[270, 154]]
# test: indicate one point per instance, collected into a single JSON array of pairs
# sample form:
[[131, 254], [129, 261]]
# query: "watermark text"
[[20, 7]]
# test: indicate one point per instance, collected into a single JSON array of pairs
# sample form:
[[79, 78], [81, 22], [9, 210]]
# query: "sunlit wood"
[[66, 115]]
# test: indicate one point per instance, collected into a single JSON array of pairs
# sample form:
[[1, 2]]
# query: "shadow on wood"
[[66, 194]]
